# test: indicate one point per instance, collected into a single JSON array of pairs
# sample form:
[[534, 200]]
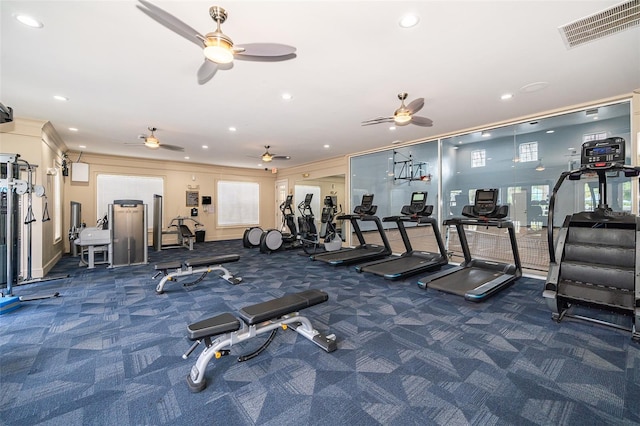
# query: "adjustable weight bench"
[[201, 265], [253, 320]]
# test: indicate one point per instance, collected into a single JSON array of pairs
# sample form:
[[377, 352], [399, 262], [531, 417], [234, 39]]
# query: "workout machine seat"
[[199, 265], [254, 320]]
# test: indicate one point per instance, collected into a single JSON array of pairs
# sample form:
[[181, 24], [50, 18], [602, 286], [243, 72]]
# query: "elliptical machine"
[[595, 260], [273, 239], [306, 220], [328, 239]]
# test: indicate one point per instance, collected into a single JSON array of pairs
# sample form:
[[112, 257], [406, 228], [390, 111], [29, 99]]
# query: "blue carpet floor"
[[108, 352]]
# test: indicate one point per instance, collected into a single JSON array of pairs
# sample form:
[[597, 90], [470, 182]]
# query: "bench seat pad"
[[212, 260], [286, 304], [213, 326], [176, 264]]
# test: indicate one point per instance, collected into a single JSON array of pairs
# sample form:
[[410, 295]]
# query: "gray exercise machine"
[[252, 321], [173, 271], [177, 226], [128, 225], [594, 262], [12, 188]]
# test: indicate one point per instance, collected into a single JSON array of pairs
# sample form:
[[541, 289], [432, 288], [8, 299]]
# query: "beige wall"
[[178, 177]]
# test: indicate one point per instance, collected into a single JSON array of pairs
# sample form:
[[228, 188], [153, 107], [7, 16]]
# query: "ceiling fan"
[[152, 142], [268, 157], [219, 49], [404, 115]]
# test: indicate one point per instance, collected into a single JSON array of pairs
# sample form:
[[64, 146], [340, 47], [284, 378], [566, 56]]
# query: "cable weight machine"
[[12, 187]]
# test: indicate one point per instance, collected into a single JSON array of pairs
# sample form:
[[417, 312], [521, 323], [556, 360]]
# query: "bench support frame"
[[220, 346]]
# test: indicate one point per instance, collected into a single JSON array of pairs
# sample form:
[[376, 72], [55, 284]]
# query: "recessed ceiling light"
[[287, 96], [397, 141], [82, 146], [205, 146], [232, 129], [60, 98], [29, 21], [392, 128], [551, 131], [409, 21], [327, 146], [595, 117], [455, 147], [73, 129], [506, 96], [186, 157]]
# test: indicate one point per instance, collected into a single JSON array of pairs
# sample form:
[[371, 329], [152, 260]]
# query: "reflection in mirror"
[[320, 188]]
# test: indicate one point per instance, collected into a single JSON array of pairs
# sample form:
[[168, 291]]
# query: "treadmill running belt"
[[464, 280]]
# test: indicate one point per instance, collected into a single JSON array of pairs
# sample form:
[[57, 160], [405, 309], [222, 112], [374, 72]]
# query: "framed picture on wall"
[[192, 198]]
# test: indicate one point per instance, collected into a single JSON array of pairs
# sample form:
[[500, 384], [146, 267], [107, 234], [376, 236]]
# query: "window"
[[238, 203], [57, 205], [478, 158], [528, 151], [116, 187], [593, 136]]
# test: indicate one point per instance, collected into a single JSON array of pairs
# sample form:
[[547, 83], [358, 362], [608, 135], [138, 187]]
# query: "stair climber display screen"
[[593, 260]]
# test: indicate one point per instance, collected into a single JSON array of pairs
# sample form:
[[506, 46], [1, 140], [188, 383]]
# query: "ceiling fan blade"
[[171, 22], [415, 105], [243, 57], [378, 119], [206, 71], [377, 122], [280, 157], [265, 49], [172, 147], [421, 121]]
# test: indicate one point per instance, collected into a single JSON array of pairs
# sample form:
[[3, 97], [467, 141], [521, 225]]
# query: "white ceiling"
[[123, 72]]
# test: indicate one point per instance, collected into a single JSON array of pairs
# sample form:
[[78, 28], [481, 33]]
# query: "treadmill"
[[410, 262], [477, 279], [364, 252]]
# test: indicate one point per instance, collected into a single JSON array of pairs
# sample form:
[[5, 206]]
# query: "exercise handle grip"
[[191, 349]]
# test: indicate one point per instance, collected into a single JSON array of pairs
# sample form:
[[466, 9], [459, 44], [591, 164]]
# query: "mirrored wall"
[[523, 160]]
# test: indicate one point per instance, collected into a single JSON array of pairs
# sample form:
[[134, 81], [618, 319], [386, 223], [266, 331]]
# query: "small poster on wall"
[[192, 198]]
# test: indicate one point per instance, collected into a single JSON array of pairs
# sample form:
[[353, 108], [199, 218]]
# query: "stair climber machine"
[[594, 262], [277, 239], [410, 262], [328, 239], [478, 279], [364, 252]]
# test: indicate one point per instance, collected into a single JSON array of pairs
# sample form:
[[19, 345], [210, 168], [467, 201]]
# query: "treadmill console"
[[486, 201], [602, 154], [486, 205], [366, 206], [418, 206]]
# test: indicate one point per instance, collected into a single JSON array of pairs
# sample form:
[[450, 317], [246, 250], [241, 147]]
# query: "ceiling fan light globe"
[[218, 48], [402, 119], [267, 158], [151, 142]]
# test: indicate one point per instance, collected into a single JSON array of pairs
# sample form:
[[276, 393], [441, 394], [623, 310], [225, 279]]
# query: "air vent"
[[607, 22]]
